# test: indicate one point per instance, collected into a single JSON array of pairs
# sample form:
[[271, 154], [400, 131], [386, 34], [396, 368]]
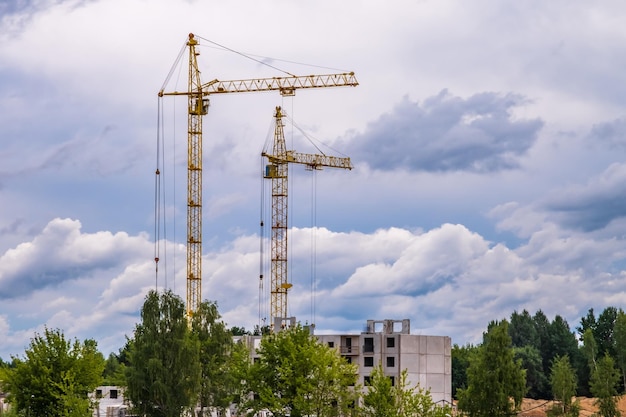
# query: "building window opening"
[[391, 361], [368, 346], [391, 342], [368, 361]]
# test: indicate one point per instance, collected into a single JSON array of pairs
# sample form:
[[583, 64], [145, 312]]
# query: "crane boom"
[[314, 161], [198, 104], [285, 85], [277, 171]]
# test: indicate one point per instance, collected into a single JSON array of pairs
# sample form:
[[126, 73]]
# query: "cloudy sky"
[[488, 143]]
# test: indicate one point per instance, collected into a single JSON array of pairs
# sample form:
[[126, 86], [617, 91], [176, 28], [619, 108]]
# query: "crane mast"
[[198, 103], [277, 170], [197, 108]]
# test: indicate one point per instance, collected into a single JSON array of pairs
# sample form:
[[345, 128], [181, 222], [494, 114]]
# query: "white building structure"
[[110, 400], [427, 359]]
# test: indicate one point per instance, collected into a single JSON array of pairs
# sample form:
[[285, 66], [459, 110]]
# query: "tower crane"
[[277, 170], [198, 103]]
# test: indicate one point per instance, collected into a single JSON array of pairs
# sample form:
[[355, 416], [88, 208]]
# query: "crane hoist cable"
[[157, 198], [313, 242], [160, 202]]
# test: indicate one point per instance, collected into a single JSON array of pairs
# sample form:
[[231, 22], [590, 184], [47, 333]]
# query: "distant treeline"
[[537, 342]]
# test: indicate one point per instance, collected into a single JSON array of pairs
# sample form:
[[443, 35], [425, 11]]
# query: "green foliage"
[[531, 361], [54, 377], [523, 331], [496, 382], [557, 410], [603, 386], [384, 399], [11, 412], [563, 381], [297, 375], [114, 372], [239, 331], [590, 349], [619, 335], [460, 363], [217, 388], [604, 331], [163, 374]]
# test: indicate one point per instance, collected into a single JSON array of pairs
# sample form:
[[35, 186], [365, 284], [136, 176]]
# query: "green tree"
[[587, 322], [299, 376], [386, 399], [536, 381], [239, 331], [496, 382], [522, 330], [163, 374], [54, 377], [590, 349], [114, 371], [216, 342], [604, 386], [604, 332], [460, 363], [563, 381], [619, 335], [562, 338], [542, 324]]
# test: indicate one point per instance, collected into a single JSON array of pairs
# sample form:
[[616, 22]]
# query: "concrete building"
[[427, 359], [110, 400]]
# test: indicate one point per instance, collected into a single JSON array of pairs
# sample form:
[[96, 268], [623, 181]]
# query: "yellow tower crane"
[[198, 104], [277, 170]]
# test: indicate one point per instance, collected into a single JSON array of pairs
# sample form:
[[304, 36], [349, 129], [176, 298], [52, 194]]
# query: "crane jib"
[[285, 85]]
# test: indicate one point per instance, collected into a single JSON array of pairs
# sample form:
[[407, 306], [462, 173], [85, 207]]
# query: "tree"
[[587, 323], [299, 376], [216, 343], [460, 363], [603, 386], [114, 371], [239, 331], [563, 381], [542, 324], [562, 339], [590, 349], [386, 399], [496, 382], [54, 377], [523, 331], [163, 374], [619, 335], [536, 381]]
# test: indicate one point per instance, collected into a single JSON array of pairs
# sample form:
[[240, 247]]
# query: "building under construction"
[[426, 359]]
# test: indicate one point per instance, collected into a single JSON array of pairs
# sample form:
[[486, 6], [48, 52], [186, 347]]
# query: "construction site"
[[427, 359]]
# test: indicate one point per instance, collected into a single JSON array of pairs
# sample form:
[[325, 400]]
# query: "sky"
[[488, 141]]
